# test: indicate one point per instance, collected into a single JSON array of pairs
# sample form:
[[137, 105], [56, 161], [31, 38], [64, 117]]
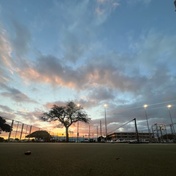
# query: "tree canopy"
[[3, 126], [66, 115], [40, 135]]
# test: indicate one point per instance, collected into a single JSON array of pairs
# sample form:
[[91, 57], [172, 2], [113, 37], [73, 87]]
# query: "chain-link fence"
[[19, 130]]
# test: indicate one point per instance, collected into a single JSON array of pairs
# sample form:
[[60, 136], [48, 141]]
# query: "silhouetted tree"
[[40, 135], [66, 115], [3, 126]]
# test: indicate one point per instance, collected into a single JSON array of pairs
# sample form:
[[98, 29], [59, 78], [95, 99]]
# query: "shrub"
[[1, 139]]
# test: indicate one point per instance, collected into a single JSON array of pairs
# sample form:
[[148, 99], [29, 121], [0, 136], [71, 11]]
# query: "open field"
[[72, 159]]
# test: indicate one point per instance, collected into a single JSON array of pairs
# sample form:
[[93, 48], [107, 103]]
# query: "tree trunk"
[[66, 134]]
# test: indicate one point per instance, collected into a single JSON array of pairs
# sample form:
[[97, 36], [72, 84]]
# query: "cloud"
[[155, 57], [6, 108], [5, 56], [7, 115], [15, 94], [143, 77], [28, 119], [5, 49], [50, 70], [104, 9], [79, 26], [101, 94], [20, 39], [155, 47], [75, 24], [49, 105], [12, 50], [73, 46], [139, 1]]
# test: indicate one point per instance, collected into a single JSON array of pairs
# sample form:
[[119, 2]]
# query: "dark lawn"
[[56, 159]]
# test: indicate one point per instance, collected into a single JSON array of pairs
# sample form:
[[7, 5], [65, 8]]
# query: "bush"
[[1, 139]]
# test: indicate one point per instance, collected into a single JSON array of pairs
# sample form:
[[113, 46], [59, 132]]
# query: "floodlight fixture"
[[169, 106], [145, 106]]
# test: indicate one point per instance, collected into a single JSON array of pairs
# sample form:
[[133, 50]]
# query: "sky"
[[93, 52]]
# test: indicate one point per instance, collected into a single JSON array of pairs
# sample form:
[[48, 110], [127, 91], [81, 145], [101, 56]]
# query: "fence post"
[[21, 131], [30, 129], [11, 130], [16, 130]]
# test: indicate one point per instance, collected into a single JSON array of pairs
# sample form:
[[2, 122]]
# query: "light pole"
[[105, 106], [97, 133], [172, 125], [77, 131], [145, 107], [100, 129]]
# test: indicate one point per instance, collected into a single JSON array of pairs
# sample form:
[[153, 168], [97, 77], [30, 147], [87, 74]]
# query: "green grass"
[[57, 159]]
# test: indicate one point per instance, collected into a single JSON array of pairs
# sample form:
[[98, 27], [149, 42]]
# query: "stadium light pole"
[[105, 106], [97, 133], [172, 125], [145, 107], [100, 129]]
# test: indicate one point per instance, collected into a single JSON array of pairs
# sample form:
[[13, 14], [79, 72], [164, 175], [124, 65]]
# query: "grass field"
[[73, 159]]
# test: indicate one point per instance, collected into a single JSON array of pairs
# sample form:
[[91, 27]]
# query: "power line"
[[120, 126]]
